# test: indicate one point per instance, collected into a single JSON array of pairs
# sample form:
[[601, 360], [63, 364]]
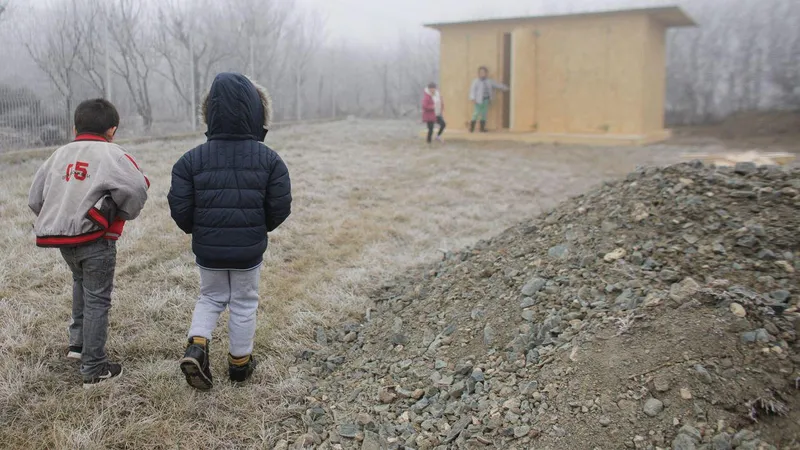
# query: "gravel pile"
[[658, 311]]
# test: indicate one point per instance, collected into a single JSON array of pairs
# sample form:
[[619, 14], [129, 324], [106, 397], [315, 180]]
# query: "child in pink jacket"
[[432, 111]]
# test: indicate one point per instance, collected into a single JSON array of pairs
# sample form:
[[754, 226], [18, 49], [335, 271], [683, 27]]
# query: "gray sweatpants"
[[92, 267], [228, 288]]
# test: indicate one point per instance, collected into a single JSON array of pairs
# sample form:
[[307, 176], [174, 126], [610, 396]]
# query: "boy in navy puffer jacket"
[[228, 193]]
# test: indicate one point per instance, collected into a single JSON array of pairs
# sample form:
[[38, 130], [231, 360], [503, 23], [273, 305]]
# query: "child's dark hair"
[[95, 116], [431, 85]]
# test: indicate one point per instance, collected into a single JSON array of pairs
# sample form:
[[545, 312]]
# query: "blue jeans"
[[92, 267]]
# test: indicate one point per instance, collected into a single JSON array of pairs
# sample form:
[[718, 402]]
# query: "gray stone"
[[742, 436], [477, 375], [457, 428], [748, 337], [747, 241], [528, 315], [649, 264], [692, 432], [463, 369], [683, 291], [528, 387], [605, 421], [703, 374], [745, 168], [637, 258], [349, 430], [661, 384], [759, 335], [670, 276], [457, 389], [767, 255], [743, 194], [477, 314], [397, 325], [781, 296], [399, 339], [527, 302], [683, 442], [371, 441], [521, 431], [751, 445], [721, 441], [559, 251], [653, 407], [757, 229], [488, 335], [533, 286]]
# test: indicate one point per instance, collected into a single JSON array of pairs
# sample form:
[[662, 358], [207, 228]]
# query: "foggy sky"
[[375, 21]]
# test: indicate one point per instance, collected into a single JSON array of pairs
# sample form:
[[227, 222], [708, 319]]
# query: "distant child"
[[432, 110], [481, 93], [228, 193], [81, 196]]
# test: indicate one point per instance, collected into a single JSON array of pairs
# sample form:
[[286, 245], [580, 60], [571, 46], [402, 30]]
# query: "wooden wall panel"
[[625, 80], [453, 79], [523, 80], [655, 75]]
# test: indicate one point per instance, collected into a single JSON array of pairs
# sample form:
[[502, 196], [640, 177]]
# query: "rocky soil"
[[658, 311]]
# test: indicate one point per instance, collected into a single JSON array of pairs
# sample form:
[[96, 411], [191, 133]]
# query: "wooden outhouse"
[[581, 78]]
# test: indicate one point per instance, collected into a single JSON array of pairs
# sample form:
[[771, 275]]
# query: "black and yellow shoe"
[[195, 364], [241, 368]]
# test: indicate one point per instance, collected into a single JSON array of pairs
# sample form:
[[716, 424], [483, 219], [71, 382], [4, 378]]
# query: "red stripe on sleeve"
[[146, 180]]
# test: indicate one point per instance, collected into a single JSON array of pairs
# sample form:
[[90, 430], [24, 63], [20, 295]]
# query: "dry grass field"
[[370, 200]]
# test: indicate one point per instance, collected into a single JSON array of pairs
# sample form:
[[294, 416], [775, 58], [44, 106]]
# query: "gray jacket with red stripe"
[[86, 191]]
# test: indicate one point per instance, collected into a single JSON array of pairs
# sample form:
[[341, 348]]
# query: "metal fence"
[[27, 120]]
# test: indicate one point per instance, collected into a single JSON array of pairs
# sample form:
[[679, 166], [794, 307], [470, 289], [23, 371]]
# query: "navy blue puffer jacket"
[[230, 191]]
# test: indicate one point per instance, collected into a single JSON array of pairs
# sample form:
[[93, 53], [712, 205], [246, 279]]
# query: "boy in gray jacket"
[[82, 196], [481, 93]]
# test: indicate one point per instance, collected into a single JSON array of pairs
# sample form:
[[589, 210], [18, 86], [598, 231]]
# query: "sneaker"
[[240, 369], [75, 352], [111, 370], [439, 139], [195, 365]]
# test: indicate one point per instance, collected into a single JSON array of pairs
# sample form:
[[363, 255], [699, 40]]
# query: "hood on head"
[[237, 108]]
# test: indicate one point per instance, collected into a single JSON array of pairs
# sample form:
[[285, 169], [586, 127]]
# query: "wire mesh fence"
[[27, 120]]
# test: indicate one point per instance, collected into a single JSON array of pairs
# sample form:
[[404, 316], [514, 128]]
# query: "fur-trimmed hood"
[[236, 108]]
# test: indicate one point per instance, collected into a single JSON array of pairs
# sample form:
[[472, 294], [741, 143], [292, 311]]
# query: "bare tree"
[[257, 32], [134, 59], [305, 40], [784, 56], [91, 25], [189, 48], [56, 52]]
